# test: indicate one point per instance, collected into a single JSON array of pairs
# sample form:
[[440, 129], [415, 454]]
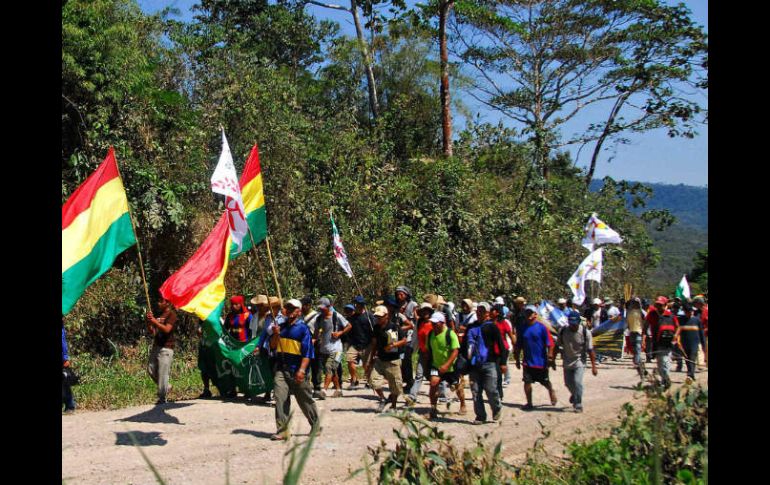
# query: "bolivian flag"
[[198, 287], [96, 227]]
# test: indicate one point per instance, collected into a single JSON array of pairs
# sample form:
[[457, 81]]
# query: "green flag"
[[683, 290]]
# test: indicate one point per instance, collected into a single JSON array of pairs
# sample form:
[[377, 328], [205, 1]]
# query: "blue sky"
[[650, 157]]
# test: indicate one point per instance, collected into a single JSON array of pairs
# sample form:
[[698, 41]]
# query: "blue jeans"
[[573, 379], [66, 397], [484, 377]]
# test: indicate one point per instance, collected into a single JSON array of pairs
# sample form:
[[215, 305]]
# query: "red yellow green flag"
[[96, 228]]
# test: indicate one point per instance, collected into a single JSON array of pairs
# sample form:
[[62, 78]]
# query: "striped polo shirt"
[[295, 343]]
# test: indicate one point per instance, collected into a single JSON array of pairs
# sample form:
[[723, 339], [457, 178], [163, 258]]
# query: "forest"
[[363, 125]]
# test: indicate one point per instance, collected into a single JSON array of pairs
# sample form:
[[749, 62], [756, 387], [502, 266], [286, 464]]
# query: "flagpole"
[[272, 266], [261, 272], [138, 248]]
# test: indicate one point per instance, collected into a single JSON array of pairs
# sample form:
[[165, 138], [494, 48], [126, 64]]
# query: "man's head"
[[530, 313], [687, 309], [292, 309], [482, 310], [496, 313], [261, 304], [360, 304], [596, 303], [425, 310], [381, 314], [237, 303], [439, 320], [660, 304], [307, 303], [349, 311], [519, 302], [698, 301], [324, 306], [573, 319], [608, 302], [562, 303], [467, 305], [403, 294]]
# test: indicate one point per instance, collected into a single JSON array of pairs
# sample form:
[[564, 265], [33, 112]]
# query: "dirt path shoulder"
[[199, 441]]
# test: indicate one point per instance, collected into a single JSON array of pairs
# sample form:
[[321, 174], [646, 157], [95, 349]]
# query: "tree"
[[541, 62]]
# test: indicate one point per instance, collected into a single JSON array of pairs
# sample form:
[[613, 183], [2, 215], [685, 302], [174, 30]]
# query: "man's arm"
[[444, 368], [342, 332]]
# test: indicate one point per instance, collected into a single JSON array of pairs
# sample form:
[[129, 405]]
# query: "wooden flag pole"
[[261, 272], [138, 248], [272, 266]]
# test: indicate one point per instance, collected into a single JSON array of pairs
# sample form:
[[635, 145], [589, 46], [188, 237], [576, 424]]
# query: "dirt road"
[[196, 442]]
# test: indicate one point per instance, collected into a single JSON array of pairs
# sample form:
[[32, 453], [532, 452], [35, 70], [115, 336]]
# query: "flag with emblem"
[[597, 232], [589, 269], [339, 250], [683, 289], [224, 181]]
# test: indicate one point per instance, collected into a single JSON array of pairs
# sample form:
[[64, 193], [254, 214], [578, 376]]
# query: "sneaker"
[[442, 400], [316, 394], [528, 407], [353, 386], [505, 383], [337, 393], [410, 401], [498, 416], [479, 421], [69, 411], [206, 394], [321, 395], [278, 437], [578, 409], [381, 406]]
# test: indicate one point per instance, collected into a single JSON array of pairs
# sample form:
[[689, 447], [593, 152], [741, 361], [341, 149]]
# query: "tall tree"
[[541, 62]]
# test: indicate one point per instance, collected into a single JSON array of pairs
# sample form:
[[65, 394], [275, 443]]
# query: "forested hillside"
[[363, 126], [679, 243]]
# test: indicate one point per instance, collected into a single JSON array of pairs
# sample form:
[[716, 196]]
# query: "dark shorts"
[[535, 375], [449, 377]]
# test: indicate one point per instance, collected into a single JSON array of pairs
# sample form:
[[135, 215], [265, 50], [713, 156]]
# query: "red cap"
[[662, 300]]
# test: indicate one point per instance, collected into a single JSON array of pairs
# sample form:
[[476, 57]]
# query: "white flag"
[[589, 269], [598, 232], [339, 251], [225, 181]]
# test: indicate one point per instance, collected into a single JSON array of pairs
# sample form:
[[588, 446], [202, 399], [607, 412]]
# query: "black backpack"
[[666, 331]]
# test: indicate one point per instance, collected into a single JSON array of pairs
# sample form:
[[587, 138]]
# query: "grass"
[[122, 380]]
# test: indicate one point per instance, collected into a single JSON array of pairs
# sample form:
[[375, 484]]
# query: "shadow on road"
[[142, 438], [256, 434], [157, 414]]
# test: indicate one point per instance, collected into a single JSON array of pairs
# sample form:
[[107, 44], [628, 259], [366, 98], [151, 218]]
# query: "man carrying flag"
[[96, 228]]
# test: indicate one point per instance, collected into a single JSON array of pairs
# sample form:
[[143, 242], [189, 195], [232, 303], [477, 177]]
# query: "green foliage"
[[700, 271], [665, 442]]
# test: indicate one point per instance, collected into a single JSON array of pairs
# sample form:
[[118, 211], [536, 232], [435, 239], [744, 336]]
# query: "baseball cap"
[[380, 311], [662, 300], [359, 300], [561, 300], [596, 301], [324, 303], [499, 301], [425, 305], [531, 308], [482, 304], [573, 318], [438, 317], [499, 307], [350, 307], [294, 303], [520, 299]]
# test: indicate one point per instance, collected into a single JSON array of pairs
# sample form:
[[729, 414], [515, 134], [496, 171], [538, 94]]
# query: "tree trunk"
[[605, 134], [446, 114], [373, 104]]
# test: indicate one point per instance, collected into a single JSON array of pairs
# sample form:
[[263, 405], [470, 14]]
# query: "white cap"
[[294, 302], [438, 317], [561, 300], [380, 311], [499, 301], [596, 301]]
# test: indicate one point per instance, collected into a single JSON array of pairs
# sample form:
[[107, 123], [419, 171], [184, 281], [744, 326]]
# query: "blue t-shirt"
[[535, 339], [295, 343]]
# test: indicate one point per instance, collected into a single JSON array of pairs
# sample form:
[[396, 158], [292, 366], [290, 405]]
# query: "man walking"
[[576, 343], [385, 358], [360, 336], [664, 327], [635, 321], [538, 346], [691, 337], [294, 349], [162, 330], [330, 326], [482, 338], [443, 348]]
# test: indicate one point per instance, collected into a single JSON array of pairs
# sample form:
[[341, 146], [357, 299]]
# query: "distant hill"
[[678, 243]]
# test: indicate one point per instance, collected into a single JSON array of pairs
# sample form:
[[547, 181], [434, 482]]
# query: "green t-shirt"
[[439, 349]]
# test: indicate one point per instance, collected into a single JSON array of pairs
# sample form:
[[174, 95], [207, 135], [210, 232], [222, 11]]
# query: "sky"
[[649, 157]]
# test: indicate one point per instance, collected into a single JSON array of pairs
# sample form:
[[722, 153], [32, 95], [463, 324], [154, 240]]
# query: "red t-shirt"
[[704, 317], [422, 335], [652, 319], [505, 327]]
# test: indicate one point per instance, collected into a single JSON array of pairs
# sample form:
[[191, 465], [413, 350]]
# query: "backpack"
[[666, 332], [478, 352], [583, 357]]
